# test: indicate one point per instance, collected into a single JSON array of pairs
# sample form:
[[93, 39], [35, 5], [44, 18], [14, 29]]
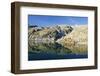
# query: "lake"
[[52, 51]]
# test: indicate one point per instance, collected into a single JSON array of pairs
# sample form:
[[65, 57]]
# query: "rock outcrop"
[[79, 35], [50, 34], [62, 34]]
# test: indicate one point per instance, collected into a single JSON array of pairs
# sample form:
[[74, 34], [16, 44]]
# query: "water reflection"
[[45, 51], [54, 48]]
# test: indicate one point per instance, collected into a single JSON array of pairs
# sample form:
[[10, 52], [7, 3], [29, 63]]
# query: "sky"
[[47, 20]]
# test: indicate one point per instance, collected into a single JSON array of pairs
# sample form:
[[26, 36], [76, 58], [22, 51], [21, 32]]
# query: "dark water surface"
[[50, 51]]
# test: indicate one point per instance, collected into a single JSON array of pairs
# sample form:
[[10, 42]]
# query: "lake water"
[[50, 51]]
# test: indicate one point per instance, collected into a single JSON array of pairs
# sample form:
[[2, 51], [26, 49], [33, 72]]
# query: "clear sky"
[[47, 20]]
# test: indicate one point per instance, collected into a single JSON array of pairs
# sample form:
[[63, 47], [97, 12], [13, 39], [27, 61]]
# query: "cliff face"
[[50, 34], [63, 34], [79, 35]]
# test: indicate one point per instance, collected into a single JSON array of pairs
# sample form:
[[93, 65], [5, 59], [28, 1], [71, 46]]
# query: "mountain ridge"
[[65, 35]]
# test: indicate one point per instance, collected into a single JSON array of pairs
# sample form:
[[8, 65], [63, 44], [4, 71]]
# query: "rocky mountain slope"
[[48, 34], [62, 34], [77, 36]]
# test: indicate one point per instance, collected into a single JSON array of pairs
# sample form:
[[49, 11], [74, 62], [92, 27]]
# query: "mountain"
[[79, 35], [48, 34], [63, 34]]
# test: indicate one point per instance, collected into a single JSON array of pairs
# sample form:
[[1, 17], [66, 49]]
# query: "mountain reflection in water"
[[48, 51]]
